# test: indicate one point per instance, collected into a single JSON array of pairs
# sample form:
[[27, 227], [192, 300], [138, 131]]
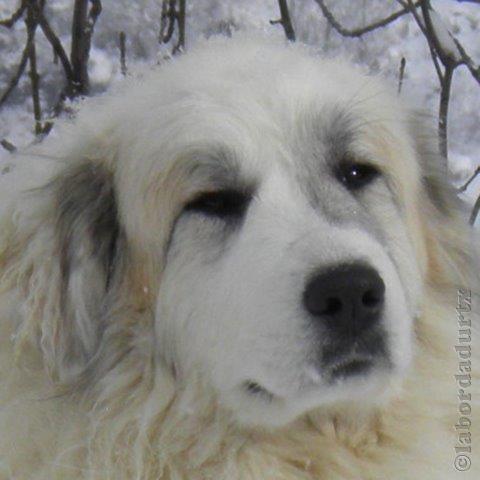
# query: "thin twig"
[[20, 69], [16, 15], [23, 60], [443, 109], [401, 74], [123, 64], [285, 20], [180, 45], [167, 21], [413, 10], [357, 32], [9, 147], [57, 46], [446, 57], [467, 61], [171, 15], [475, 210], [31, 22], [470, 180]]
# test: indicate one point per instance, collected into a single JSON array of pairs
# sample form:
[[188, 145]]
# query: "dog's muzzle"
[[347, 301]]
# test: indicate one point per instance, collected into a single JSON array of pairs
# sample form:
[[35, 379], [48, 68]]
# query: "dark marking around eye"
[[225, 204], [356, 175]]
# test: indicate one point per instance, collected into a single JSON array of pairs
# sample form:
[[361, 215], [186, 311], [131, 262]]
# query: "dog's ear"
[[64, 250], [88, 238], [443, 214]]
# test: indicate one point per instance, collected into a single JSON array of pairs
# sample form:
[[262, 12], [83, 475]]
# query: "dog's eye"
[[223, 203], [357, 175]]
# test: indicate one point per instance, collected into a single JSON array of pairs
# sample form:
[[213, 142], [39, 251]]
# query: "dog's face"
[[274, 201], [291, 276]]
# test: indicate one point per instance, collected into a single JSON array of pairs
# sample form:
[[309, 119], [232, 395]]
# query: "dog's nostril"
[[371, 299], [333, 305], [347, 299]]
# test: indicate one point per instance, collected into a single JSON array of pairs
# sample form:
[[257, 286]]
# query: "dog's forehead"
[[255, 109], [286, 119], [299, 141]]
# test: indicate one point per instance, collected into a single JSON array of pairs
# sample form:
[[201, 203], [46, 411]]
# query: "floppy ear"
[[87, 237], [444, 216], [65, 254]]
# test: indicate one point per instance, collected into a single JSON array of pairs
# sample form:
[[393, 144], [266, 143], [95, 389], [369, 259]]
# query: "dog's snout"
[[347, 299]]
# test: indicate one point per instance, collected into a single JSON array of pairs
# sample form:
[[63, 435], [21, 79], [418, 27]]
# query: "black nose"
[[348, 299]]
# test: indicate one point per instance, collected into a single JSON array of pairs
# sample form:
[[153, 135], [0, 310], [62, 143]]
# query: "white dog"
[[244, 266]]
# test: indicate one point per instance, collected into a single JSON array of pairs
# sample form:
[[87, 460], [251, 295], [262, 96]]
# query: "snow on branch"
[[447, 54], [446, 51]]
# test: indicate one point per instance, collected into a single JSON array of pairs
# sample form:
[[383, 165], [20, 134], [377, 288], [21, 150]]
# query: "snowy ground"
[[380, 51]]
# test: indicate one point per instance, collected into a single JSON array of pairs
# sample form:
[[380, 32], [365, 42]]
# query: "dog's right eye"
[[223, 203]]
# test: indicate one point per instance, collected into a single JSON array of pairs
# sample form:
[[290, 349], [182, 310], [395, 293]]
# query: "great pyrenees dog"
[[247, 265]]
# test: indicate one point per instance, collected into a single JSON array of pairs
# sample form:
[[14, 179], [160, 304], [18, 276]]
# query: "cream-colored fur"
[[115, 410]]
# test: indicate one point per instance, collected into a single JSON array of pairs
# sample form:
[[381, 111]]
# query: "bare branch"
[[443, 109], [31, 23], [401, 74], [470, 180], [445, 77], [167, 21], [358, 32], [475, 210], [413, 10], [20, 69], [170, 16], [467, 61], [82, 31], [24, 58], [10, 22], [57, 46], [123, 64], [285, 20], [446, 57], [9, 147], [449, 59], [180, 46], [435, 45]]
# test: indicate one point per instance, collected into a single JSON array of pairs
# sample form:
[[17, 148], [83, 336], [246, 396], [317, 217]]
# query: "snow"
[[380, 51], [101, 68], [444, 37]]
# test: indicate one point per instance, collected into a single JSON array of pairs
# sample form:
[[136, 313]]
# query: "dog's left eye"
[[223, 203], [357, 175]]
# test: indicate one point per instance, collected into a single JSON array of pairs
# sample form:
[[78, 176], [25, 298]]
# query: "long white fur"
[[158, 398]]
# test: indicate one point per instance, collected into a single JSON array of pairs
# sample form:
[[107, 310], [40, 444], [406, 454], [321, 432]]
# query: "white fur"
[[145, 378]]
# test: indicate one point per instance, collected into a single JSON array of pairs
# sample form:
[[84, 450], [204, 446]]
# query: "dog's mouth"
[[349, 368], [340, 370], [256, 390]]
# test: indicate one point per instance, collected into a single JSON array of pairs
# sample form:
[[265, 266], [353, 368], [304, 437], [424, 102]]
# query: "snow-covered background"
[[380, 50]]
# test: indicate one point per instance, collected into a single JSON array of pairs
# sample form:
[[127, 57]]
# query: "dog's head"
[[277, 216]]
